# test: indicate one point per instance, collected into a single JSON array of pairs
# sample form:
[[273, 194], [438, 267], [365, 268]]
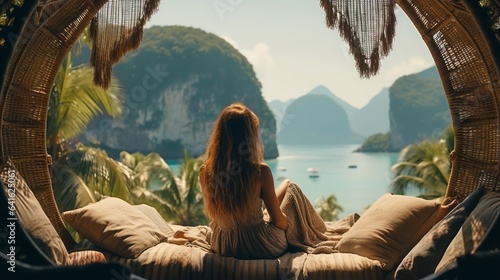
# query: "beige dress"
[[251, 237], [248, 237]]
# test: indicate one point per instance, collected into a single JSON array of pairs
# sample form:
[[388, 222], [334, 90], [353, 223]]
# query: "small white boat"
[[282, 168], [312, 170]]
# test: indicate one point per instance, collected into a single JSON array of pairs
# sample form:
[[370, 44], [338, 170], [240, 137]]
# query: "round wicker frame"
[[457, 33]]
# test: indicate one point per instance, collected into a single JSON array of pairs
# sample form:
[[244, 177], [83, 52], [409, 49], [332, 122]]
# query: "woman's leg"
[[281, 189]]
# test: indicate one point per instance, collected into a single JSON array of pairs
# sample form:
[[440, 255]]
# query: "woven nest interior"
[[457, 33]]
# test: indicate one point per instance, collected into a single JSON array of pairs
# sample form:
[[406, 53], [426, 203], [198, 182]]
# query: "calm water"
[[355, 188]]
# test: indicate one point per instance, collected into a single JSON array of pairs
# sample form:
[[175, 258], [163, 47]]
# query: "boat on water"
[[282, 168], [352, 166], [313, 172]]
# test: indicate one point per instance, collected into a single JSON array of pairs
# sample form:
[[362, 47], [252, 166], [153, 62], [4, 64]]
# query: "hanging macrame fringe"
[[116, 30], [367, 46]]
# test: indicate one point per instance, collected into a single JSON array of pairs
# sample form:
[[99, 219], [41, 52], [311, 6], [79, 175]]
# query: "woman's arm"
[[270, 200]]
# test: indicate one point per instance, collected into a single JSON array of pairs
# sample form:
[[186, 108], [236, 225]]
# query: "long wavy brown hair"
[[231, 167]]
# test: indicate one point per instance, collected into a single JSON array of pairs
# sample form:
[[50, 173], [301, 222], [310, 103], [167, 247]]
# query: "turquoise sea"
[[355, 187]]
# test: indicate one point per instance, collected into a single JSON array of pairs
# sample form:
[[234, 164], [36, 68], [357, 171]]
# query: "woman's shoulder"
[[265, 172], [263, 165]]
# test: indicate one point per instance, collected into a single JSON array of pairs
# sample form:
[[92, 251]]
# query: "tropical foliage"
[[177, 197], [79, 172], [375, 143], [75, 100], [328, 208], [182, 194], [84, 174], [424, 168]]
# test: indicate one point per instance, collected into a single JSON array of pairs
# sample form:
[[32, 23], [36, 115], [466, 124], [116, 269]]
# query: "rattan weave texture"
[[467, 63], [49, 32]]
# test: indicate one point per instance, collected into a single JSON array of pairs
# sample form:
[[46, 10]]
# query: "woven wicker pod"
[[463, 46], [456, 32], [49, 32]]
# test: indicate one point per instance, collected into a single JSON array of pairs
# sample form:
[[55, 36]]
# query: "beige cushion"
[[116, 226], [170, 261], [473, 230], [156, 218], [31, 215], [389, 229], [341, 266]]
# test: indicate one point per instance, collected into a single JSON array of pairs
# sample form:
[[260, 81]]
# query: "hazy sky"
[[291, 48]]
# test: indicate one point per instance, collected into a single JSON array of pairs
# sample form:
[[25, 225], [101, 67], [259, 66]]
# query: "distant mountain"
[[418, 109], [373, 117], [278, 108], [348, 108], [316, 119], [431, 73]]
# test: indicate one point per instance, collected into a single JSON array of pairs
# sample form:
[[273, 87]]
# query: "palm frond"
[[77, 100], [100, 172], [424, 166], [402, 183], [130, 160], [70, 191]]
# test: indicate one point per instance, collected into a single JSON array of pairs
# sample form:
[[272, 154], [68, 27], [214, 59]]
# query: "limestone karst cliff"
[[176, 84]]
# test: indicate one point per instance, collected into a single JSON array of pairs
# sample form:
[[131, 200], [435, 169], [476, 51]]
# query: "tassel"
[[116, 30], [368, 27]]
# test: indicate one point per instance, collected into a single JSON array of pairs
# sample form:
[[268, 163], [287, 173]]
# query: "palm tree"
[[83, 174], [147, 173], [182, 194], [424, 168], [75, 100], [79, 172], [328, 208], [177, 198]]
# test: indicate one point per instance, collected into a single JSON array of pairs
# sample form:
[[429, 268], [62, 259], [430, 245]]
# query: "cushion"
[[31, 215], [170, 261], [341, 266], [156, 218], [116, 226], [423, 259], [389, 228], [473, 231]]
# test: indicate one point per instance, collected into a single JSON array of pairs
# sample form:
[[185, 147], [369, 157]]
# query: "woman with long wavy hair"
[[235, 182]]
